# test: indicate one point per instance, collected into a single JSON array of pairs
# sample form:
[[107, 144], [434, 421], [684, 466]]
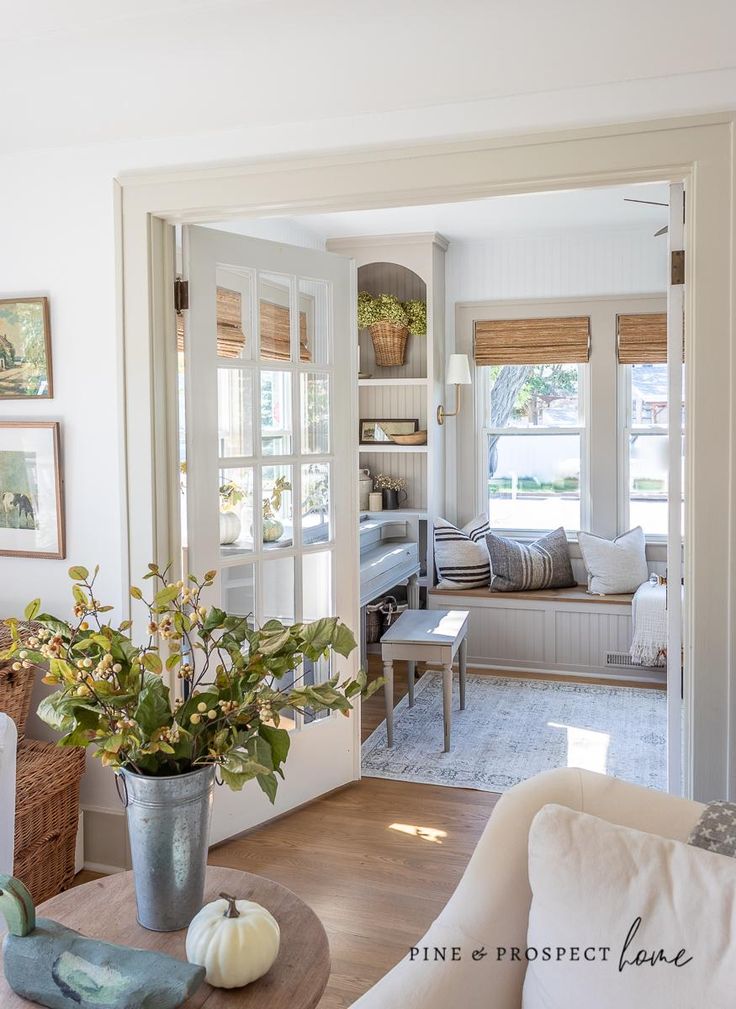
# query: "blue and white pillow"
[[461, 555]]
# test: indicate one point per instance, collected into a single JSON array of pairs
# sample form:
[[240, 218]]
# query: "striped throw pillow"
[[461, 555], [519, 567]]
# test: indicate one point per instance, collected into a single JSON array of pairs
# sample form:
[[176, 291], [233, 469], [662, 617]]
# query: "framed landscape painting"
[[31, 490], [25, 349]]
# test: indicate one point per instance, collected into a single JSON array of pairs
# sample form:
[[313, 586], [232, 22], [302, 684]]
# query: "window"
[[646, 447], [568, 437], [534, 445]]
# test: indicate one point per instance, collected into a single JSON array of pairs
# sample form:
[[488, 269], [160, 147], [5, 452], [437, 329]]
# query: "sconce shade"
[[458, 370]]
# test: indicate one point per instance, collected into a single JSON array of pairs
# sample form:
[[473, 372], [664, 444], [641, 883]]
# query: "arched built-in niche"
[[392, 278]]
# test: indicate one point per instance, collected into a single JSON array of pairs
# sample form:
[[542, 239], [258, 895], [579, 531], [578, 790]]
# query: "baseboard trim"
[[106, 847], [104, 870], [586, 675]]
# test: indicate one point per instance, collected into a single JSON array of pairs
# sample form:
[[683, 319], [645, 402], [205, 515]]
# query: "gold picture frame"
[[25, 349]]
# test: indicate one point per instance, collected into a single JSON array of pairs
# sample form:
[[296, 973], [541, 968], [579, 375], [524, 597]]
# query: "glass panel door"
[[263, 386]]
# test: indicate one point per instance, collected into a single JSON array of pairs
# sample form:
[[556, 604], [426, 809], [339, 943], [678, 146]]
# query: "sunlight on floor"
[[585, 747], [425, 833]]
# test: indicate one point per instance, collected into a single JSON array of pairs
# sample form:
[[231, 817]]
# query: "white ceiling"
[[84, 71], [508, 215]]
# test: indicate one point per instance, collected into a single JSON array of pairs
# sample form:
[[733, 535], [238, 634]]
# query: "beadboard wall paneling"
[[506, 634], [405, 401], [584, 638], [408, 466], [571, 264], [548, 637], [379, 278]]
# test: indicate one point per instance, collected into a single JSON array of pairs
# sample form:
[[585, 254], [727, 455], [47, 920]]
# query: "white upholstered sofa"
[[490, 906]]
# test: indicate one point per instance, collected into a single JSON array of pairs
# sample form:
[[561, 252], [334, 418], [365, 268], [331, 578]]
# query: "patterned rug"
[[513, 728]]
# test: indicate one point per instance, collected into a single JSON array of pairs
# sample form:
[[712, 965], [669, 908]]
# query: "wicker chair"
[[47, 791]]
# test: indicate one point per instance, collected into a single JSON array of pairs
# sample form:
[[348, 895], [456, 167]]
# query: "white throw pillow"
[[613, 566], [592, 881], [461, 555]]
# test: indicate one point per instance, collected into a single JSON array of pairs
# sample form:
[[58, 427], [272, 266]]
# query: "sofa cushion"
[[461, 555], [614, 900], [543, 564], [614, 566]]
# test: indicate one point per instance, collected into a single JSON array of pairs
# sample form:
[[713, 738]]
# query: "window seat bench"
[[549, 631]]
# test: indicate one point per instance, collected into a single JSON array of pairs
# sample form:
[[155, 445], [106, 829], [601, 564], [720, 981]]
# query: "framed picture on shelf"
[[377, 431], [31, 490], [25, 349]]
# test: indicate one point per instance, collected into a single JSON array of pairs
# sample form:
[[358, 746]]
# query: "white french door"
[[675, 335], [271, 503]]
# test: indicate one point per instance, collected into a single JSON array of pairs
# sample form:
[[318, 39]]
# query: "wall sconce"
[[458, 373]]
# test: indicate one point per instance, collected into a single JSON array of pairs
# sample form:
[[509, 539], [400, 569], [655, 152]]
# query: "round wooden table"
[[105, 909]]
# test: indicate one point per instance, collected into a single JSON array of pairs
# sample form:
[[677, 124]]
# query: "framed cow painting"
[[25, 349], [31, 490]]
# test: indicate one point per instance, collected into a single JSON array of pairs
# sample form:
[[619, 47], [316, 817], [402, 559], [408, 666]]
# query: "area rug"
[[513, 728]]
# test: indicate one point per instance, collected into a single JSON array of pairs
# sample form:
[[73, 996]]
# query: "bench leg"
[[388, 693], [412, 593], [463, 670], [410, 666], [447, 703]]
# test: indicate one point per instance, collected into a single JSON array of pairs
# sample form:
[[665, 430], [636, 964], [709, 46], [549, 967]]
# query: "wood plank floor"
[[377, 861]]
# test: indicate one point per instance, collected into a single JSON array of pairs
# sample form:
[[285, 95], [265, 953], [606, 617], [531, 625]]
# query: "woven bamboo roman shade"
[[532, 341], [275, 332], [230, 335], [642, 339], [276, 336]]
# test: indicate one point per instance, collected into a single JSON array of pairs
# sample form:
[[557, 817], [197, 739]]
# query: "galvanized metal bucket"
[[168, 827]]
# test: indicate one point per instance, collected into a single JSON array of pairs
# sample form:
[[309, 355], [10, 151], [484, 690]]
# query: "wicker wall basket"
[[16, 685], [389, 343], [46, 816]]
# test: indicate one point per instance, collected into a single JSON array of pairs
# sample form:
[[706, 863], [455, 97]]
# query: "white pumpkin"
[[236, 941]]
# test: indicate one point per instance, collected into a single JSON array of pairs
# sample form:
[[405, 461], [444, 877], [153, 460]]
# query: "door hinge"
[[677, 269], [181, 295]]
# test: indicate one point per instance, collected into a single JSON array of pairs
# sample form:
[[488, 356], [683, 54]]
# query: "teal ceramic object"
[[57, 967]]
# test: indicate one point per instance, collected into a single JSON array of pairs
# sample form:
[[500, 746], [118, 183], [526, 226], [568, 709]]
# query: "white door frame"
[[676, 293], [697, 150]]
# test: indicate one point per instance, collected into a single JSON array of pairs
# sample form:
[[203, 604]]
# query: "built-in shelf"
[[380, 447], [373, 383], [408, 267]]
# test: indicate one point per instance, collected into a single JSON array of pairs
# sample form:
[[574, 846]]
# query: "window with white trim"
[[645, 448], [642, 354], [535, 446]]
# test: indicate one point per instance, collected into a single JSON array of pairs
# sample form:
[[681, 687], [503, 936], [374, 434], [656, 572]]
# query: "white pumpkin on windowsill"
[[231, 495], [236, 941]]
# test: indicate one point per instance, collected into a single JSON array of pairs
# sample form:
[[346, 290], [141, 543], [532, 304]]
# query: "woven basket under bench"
[[46, 816]]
